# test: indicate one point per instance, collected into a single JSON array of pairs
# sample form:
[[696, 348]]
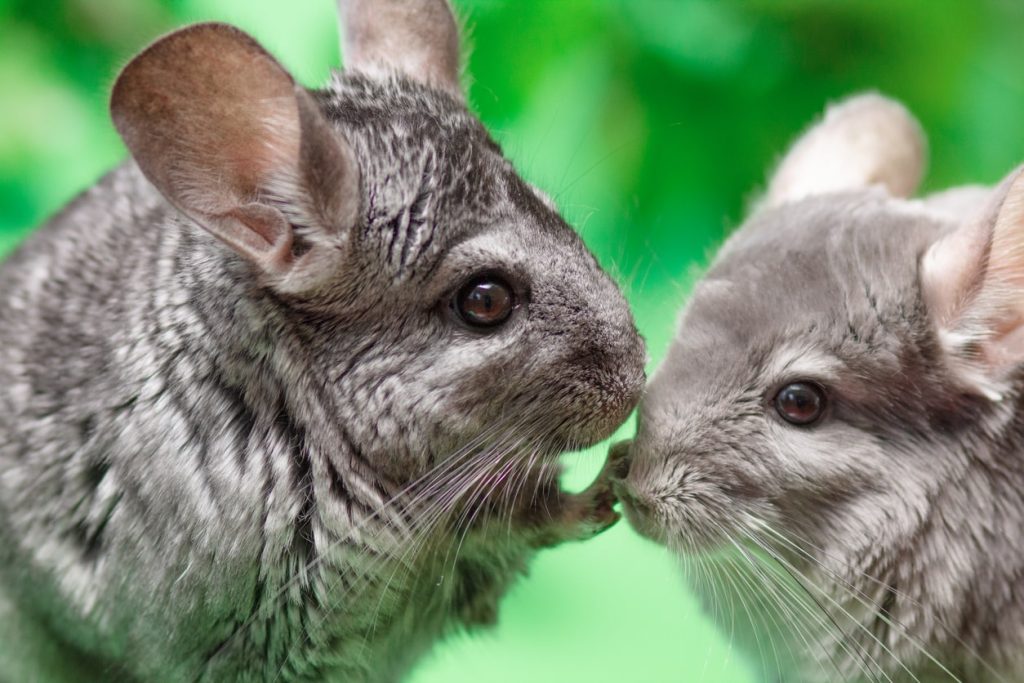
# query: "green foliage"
[[651, 122]]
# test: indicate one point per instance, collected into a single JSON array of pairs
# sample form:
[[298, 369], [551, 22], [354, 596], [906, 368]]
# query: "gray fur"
[[202, 477], [900, 514]]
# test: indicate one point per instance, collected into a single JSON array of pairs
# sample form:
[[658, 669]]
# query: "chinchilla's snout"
[[630, 487], [624, 354], [613, 377], [629, 358]]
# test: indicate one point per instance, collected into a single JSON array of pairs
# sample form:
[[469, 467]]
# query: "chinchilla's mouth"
[[646, 526], [693, 530], [640, 514]]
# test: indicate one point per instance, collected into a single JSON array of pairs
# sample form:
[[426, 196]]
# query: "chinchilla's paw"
[[617, 466], [579, 516], [596, 510]]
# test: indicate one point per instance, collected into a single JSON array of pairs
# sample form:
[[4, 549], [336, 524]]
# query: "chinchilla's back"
[[69, 296], [80, 261], [99, 325]]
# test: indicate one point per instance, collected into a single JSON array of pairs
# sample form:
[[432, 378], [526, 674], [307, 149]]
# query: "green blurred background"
[[652, 123]]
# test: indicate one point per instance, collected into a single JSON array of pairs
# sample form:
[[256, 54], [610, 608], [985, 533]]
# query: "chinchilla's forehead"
[[414, 141], [808, 274], [820, 259]]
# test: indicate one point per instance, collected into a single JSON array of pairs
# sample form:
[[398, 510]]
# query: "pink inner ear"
[[251, 148], [207, 111], [213, 122], [973, 283], [266, 226], [260, 232], [222, 130], [952, 269], [1006, 261]]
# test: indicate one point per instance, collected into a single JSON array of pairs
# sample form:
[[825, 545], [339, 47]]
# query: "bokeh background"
[[652, 123]]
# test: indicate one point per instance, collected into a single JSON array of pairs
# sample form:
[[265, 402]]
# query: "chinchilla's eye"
[[484, 301], [800, 403]]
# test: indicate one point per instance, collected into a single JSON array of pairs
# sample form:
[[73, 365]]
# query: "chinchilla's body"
[[836, 437], [279, 397]]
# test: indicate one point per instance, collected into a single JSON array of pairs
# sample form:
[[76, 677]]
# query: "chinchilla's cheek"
[[546, 375]]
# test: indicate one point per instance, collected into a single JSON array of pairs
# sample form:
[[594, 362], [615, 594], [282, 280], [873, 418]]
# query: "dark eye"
[[800, 403], [484, 301]]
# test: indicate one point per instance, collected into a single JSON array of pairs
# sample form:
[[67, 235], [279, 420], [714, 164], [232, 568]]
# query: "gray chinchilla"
[[835, 440], [280, 397]]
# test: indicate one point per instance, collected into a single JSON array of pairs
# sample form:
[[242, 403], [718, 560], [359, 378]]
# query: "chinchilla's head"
[[846, 367], [438, 298]]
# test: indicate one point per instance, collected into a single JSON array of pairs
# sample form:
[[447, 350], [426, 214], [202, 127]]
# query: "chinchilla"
[[280, 397], [835, 440]]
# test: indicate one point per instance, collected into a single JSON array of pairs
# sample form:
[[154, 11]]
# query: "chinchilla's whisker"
[[446, 491], [752, 616], [716, 570], [687, 562], [539, 452], [434, 477], [447, 485], [430, 478], [454, 489], [462, 491], [817, 619], [712, 580], [878, 609], [535, 493], [458, 461], [420, 535], [482, 445], [436, 516], [410, 494], [760, 603], [487, 485], [762, 598], [465, 491], [512, 502], [499, 479], [779, 590], [804, 579], [449, 489], [887, 618], [704, 577], [859, 657], [533, 446]]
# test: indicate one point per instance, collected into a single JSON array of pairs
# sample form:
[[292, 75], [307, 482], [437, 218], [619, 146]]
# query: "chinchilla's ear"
[[225, 133], [972, 281], [416, 38], [863, 141]]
